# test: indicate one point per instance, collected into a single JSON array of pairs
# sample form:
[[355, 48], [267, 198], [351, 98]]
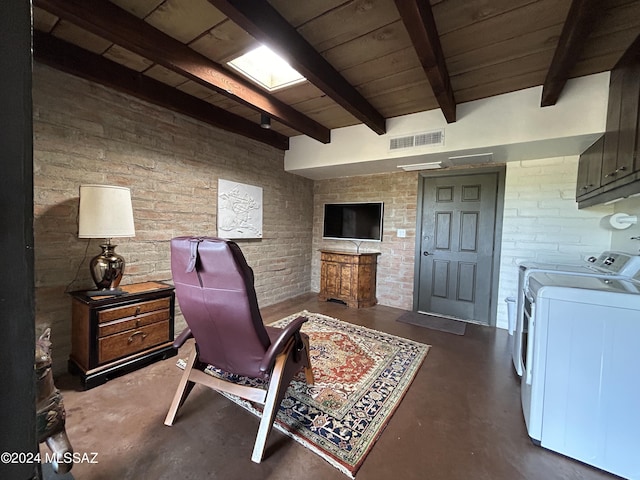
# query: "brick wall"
[[84, 133], [399, 192], [542, 222]]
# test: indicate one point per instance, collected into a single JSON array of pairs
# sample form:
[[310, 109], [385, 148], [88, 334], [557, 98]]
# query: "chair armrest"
[[183, 337], [278, 345]]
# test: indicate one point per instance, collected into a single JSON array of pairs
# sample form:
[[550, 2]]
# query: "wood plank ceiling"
[[365, 60]]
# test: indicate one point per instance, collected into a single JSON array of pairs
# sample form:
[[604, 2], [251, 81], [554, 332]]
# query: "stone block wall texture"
[[542, 222], [85, 133], [399, 192]]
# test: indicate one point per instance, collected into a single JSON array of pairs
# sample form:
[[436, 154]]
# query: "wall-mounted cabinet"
[[610, 168], [590, 169], [622, 125]]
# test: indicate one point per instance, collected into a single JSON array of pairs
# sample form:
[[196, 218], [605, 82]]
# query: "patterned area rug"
[[361, 376]]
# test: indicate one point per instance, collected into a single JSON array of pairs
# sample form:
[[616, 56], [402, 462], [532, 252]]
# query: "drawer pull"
[[137, 310], [144, 335]]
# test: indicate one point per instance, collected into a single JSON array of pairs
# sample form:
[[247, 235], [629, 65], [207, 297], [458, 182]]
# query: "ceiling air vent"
[[429, 138], [401, 142], [418, 140]]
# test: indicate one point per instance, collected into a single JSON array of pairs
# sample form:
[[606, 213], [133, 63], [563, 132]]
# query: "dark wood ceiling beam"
[[631, 56], [577, 27], [417, 17], [118, 26], [82, 63], [265, 24]]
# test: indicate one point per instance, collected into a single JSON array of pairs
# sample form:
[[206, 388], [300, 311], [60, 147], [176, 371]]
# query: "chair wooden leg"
[[284, 370], [184, 388], [270, 407], [308, 372]]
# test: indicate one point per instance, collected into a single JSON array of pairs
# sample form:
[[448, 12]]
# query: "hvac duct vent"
[[418, 140], [401, 142], [429, 138]]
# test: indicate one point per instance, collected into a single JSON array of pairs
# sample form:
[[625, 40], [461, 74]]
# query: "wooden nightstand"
[[117, 334]]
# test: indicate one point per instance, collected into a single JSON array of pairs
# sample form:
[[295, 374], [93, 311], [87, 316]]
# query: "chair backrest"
[[214, 288]]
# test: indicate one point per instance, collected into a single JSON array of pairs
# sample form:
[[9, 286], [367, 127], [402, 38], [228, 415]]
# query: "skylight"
[[267, 69]]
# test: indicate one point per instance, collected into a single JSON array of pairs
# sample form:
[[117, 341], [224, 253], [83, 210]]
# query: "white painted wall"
[[512, 126], [542, 222]]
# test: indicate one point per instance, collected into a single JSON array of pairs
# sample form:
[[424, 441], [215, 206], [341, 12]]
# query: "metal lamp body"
[[105, 212], [107, 268]]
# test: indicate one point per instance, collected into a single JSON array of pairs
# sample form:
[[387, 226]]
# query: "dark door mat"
[[434, 323]]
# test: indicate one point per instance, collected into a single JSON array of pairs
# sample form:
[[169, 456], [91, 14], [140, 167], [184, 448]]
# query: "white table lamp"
[[106, 212]]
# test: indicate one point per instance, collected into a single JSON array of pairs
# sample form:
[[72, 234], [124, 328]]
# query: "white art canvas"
[[239, 210]]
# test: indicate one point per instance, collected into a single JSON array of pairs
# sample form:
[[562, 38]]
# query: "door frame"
[[500, 170], [17, 300]]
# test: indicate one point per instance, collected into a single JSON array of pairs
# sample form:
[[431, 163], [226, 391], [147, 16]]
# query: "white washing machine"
[[608, 263], [580, 386]]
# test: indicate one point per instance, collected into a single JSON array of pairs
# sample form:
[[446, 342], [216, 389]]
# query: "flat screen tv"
[[353, 221]]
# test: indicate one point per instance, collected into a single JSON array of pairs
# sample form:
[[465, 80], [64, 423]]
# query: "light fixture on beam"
[[265, 120], [421, 166]]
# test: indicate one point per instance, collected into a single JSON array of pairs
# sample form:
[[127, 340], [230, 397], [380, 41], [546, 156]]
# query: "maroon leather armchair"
[[214, 288]]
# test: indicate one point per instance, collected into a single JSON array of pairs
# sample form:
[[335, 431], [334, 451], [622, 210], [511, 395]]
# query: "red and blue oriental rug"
[[360, 375]]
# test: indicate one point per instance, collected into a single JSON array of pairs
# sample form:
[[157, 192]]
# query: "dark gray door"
[[456, 257]]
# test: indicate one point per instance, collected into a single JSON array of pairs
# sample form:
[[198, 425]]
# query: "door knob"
[[426, 254]]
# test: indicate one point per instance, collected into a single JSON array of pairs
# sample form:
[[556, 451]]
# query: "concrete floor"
[[460, 420]]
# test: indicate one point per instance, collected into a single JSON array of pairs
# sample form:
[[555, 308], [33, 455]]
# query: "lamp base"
[[107, 268]]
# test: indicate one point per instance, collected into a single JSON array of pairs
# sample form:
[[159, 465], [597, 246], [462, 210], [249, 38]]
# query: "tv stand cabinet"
[[349, 277]]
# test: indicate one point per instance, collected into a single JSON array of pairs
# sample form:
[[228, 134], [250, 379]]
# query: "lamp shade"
[[105, 212]]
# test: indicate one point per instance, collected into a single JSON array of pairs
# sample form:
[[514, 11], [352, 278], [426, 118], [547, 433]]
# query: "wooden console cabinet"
[[349, 277], [115, 334]]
